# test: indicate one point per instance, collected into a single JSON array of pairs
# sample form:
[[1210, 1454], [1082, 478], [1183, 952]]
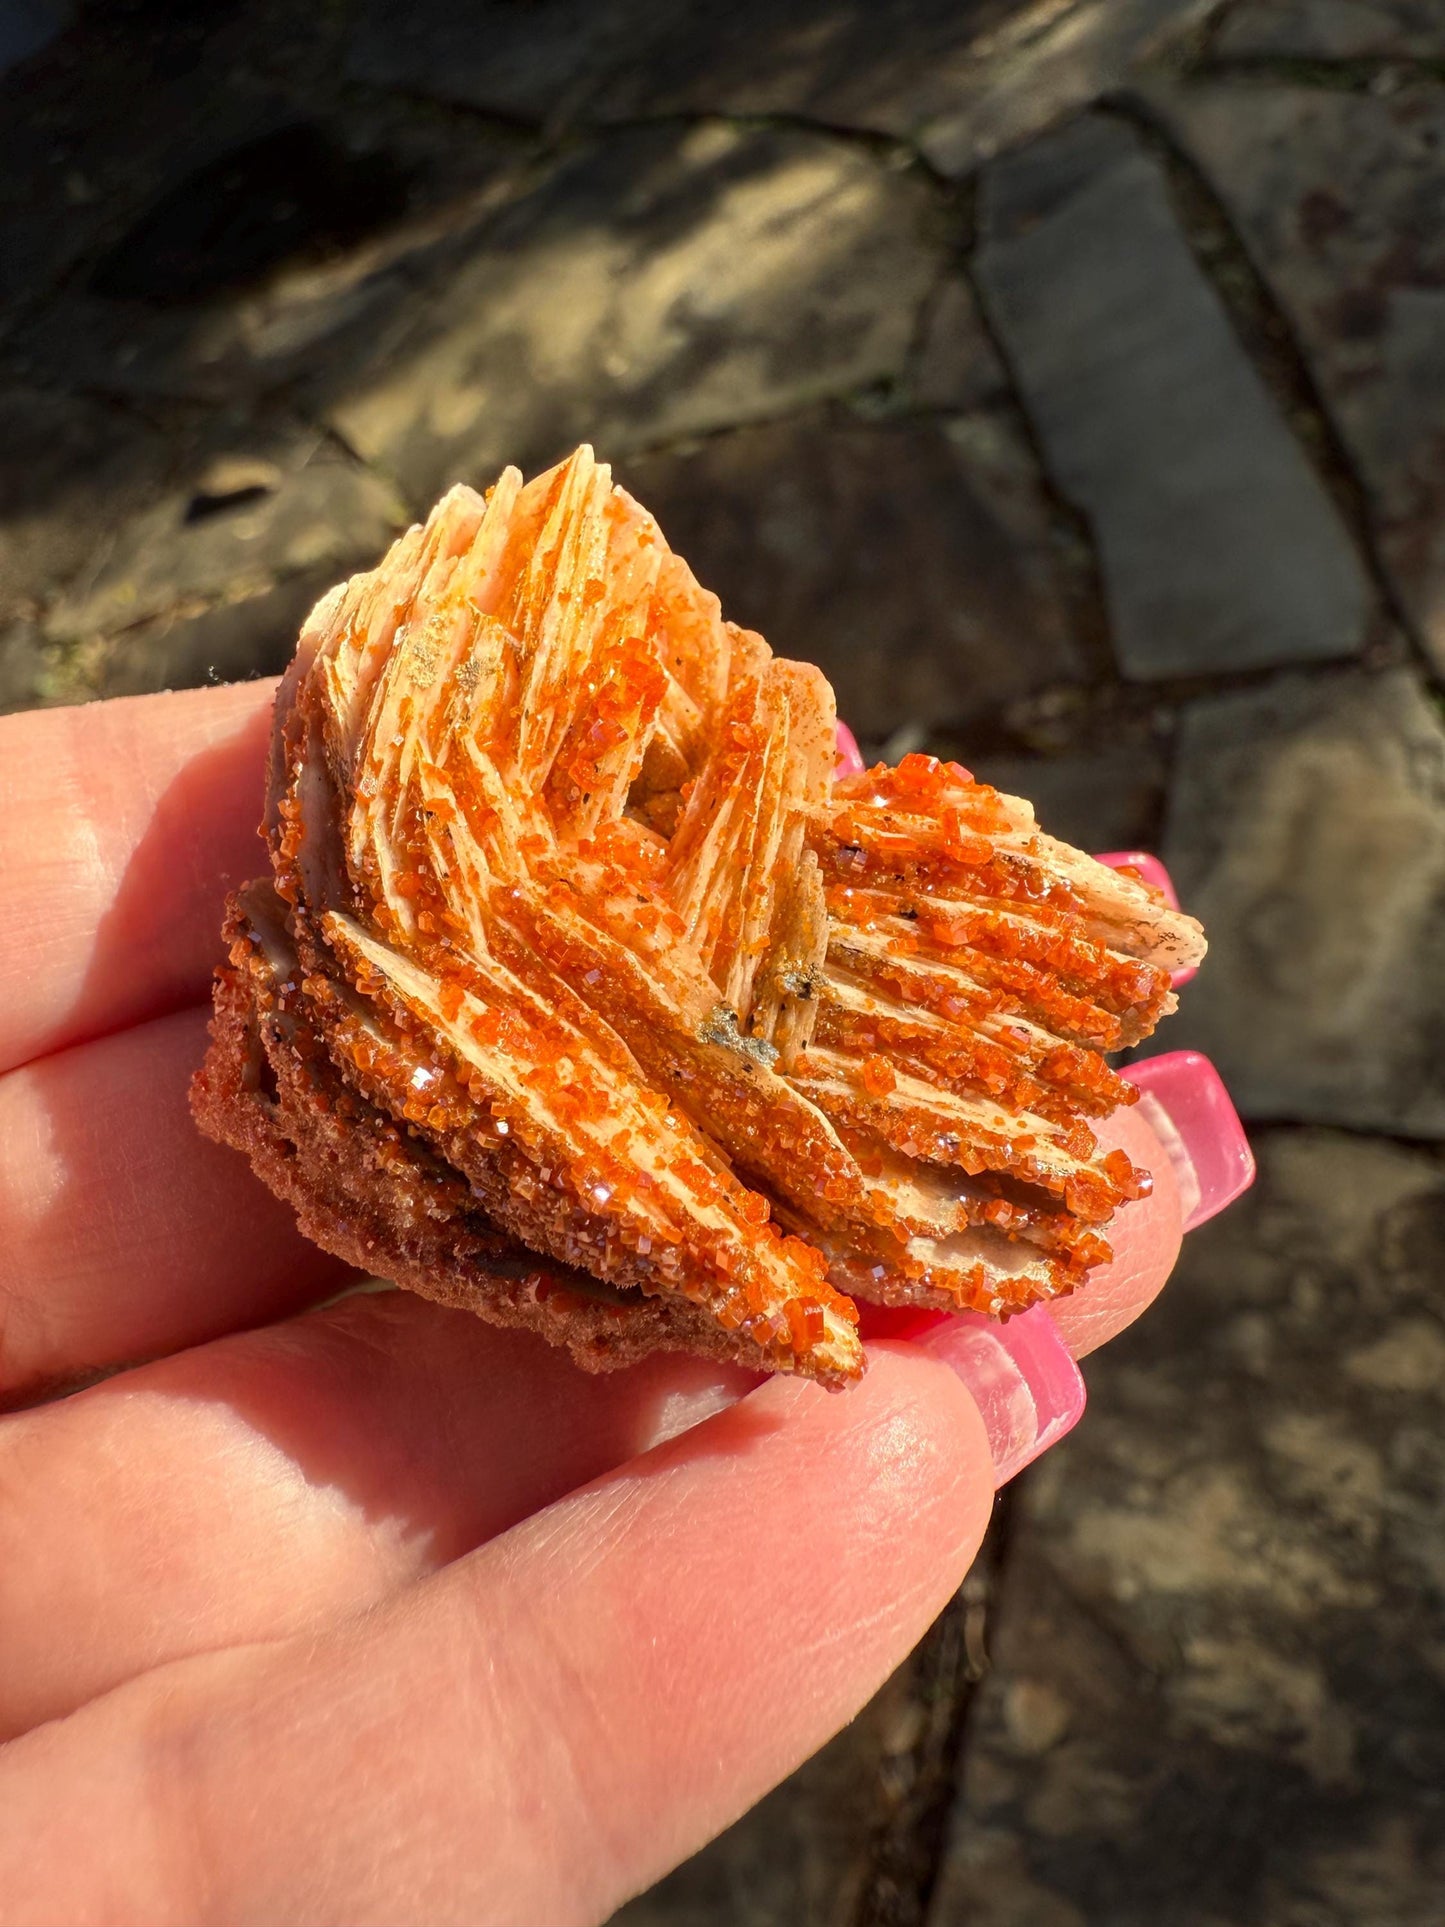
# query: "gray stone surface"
[[21, 666], [172, 181], [1040, 62], [1340, 198], [1219, 546], [969, 79], [957, 366], [208, 581], [1307, 830], [524, 62], [78, 162], [913, 565], [1332, 30], [1098, 800], [657, 284], [886, 66], [245, 518], [230, 284], [1218, 1695], [72, 470], [190, 645]]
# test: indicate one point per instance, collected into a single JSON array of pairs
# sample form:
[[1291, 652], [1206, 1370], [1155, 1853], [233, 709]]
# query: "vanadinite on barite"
[[585, 995]]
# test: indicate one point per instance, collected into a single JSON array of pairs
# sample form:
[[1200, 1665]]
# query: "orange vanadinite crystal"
[[878, 1076], [586, 924]]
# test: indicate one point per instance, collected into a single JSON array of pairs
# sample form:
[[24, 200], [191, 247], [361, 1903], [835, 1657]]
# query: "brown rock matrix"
[[583, 993]]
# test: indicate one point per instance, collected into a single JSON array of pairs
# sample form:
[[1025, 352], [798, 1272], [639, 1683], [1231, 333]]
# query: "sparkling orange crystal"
[[583, 995]]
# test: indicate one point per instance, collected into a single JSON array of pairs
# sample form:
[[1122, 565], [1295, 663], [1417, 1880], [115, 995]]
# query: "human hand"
[[374, 1612]]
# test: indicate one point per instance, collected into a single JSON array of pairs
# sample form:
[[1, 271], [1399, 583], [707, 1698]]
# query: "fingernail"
[[850, 759], [1183, 1097], [1154, 873], [1019, 1375]]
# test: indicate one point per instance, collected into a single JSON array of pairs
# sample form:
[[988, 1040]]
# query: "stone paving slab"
[[185, 647], [245, 518], [177, 247], [966, 80], [22, 665], [913, 564], [210, 580], [956, 366], [76, 159], [303, 280], [1044, 61], [527, 63], [1219, 546], [1332, 30], [1217, 1697], [887, 68], [1340, 199], [1307, 830], [658, 283], [72, 469]]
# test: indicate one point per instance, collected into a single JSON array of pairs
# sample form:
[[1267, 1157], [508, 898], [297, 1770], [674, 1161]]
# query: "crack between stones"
[[332, 437], [1176, 691], [352, 92], [885, 148], [169, 415], [1264, 329], [1082, 592], [955, 261], [161, 413], [910, 1839], [553, 143], [1268, 338], [562, 133], [1377, 74]]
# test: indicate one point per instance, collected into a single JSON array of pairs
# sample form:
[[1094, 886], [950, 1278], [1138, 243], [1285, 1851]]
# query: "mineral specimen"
[[584, 994]]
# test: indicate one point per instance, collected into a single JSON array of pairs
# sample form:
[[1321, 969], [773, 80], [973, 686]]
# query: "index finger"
[[752, 1582], [122, 827]]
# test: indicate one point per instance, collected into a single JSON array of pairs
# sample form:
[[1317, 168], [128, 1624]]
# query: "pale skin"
[[376, 1613]]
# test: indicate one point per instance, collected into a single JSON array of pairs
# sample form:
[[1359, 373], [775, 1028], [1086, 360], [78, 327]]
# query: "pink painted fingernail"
[[1020, 1376], [1183, 1097], [850, 760], [1153, 872]]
